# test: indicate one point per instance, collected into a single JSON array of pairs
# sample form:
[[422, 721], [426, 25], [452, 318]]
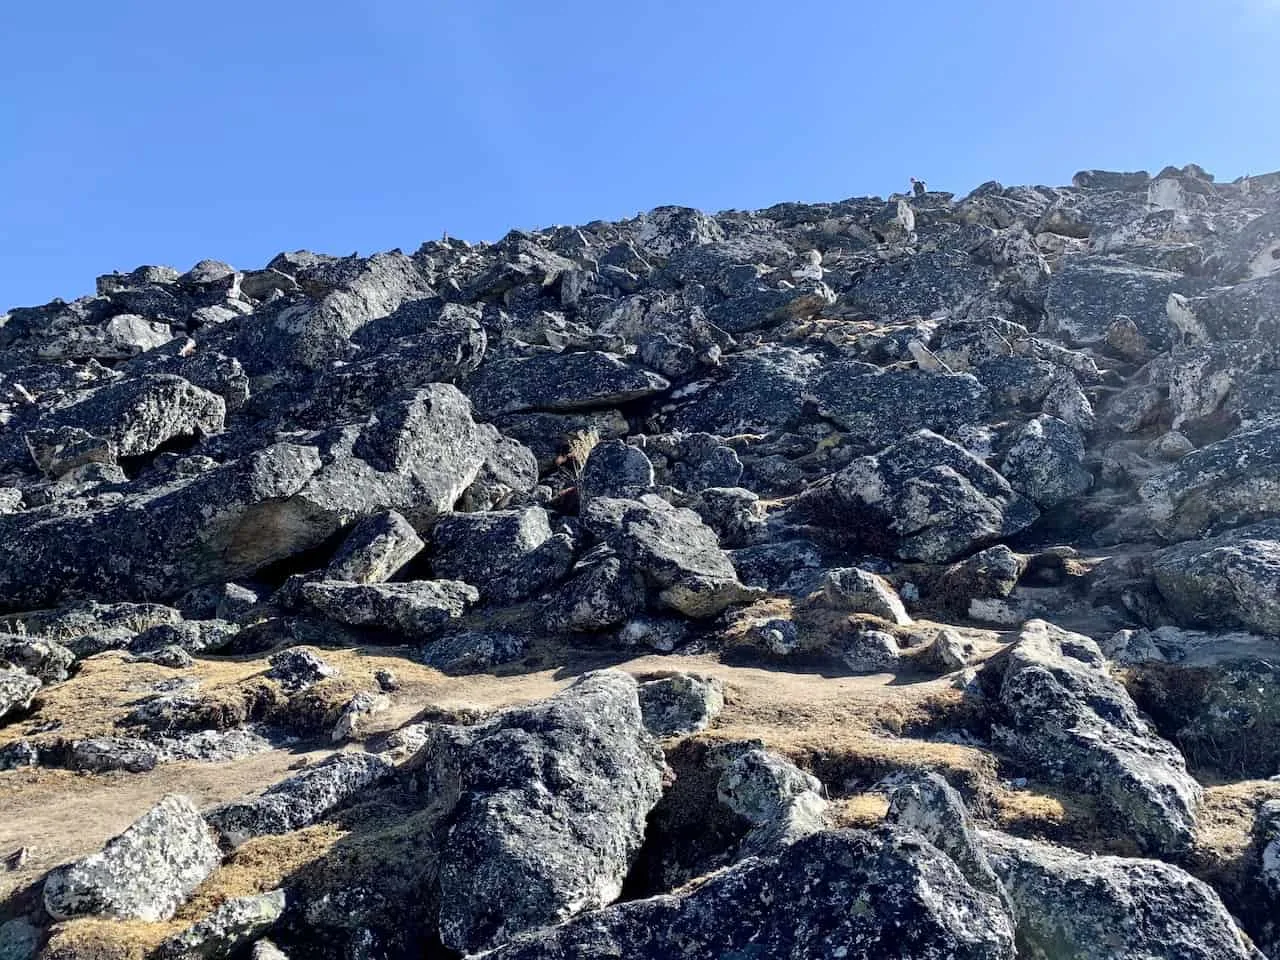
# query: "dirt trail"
[[59, 815]]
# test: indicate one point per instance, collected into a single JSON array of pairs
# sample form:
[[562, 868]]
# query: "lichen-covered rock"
[[878, 407], [909, 901], [1045, 462], [300, 800], [1110, 908], [679, 555], [145, 873], [1232, 580], [17, 689], [1089, 293], [602, 591], [473, 651], [551, 801], [298, 668], [681, 703], [46, 660], [615, 469], [416, 609], [780, 801], [860, 591], [1060, 712], [559, 381], [507, 555], [870, 651], [926, 498], [926, 803], [377, 547], [1228, 483], [229, 927]]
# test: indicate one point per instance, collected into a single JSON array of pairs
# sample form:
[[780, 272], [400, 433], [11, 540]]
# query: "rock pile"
[[1018, 450]]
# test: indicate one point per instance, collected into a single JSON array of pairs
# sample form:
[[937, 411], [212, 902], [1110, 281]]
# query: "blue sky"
[[158, 132]]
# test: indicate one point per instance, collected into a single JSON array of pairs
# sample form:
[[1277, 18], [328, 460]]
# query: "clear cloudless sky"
[[155, 131]]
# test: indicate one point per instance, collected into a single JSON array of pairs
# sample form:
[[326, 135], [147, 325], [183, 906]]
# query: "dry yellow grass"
[[93, 939]]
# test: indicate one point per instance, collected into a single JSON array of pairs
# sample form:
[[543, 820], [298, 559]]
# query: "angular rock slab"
[[1059, 711], [856, 895], [559, 381], [145, 873], [1110, 908], [1228, 581], [926, 498], [551, 803], [417, 608], [300, 800]]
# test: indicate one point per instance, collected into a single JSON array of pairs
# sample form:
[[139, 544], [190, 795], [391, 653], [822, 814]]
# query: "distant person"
[[918, 187]]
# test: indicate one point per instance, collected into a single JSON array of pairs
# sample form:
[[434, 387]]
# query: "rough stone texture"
[[878, 407], [231, 926], [377, 547], [145, 873], [615, 469], [416, 609], [860, 591], [507, 555], [780, 801], [1107, 908], [680, 704], [296, 668], [1228, 483], [46, 660], [1224, 582], [1059, 711], [299, 800], [926, 498], [555, 381], [912, 902], [679, 554], [550, 810], [1045, 462], [17, 689]]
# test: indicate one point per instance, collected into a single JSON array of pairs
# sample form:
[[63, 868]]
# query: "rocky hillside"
[[823, 581]]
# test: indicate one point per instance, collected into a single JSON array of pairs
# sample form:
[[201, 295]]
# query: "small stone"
[[680, 704], [871, 651], [859, 591]]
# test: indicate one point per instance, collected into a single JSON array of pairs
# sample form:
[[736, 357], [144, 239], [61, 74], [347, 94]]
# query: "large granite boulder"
[[145, 873], [507, 555], [886, 895], [1110, 908], [925, 498], [877, 407], [1058, 711], [548, 809], [559, 381]]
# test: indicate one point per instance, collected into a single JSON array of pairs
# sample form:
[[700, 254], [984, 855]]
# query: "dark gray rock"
[[679, 555], [145, 873], [375, 549], [474, 651], [1045, 462], [507, 555], [231, 926], [1228, 483], [417, 609], [780, 802], [860, 591], [1107, 908], [878, 407], [46, 660], [681, 703], [603, 591], [927, 804], [551, 801], [615, 469], [298, 668], [300, 800], [559, 381], [914, 903], [735, 514], [758, 391], [1061, 713], [1228, 581], [17, 689], [925, 498], [1089, 293]]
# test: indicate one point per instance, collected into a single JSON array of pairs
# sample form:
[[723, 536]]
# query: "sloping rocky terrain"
[[874, 579]]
